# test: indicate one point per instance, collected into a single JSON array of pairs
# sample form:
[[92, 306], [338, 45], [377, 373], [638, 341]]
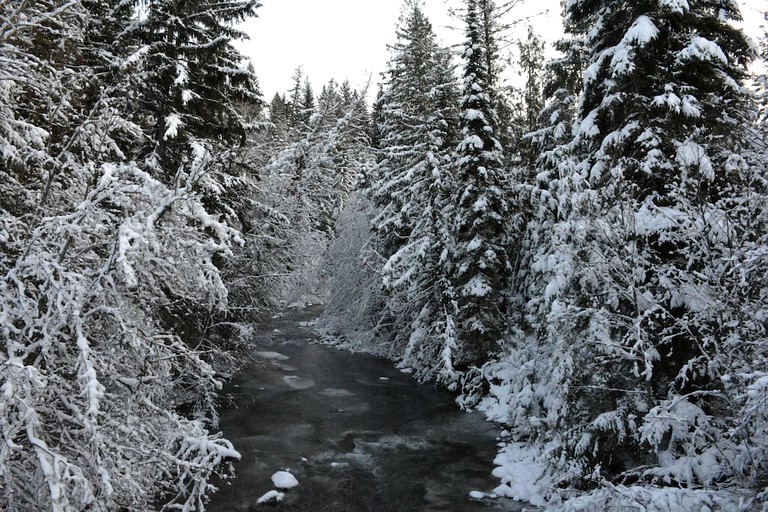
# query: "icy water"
[[358, 434]]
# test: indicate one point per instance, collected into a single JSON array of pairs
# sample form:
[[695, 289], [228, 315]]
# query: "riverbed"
[[358, 434]]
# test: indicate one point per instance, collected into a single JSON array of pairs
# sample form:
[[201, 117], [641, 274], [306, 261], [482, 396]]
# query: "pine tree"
[[417, 129], [295, 107], [192, 74], [480, 265], [635, 315], [307, 102], [530, 96], [406, 110]]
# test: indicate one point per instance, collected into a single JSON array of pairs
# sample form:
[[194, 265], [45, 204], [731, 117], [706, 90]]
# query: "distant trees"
[[305, 157]]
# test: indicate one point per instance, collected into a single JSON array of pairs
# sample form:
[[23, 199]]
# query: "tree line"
[[584, 257], [150, 212]]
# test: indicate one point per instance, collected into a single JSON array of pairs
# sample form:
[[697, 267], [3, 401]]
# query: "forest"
[[581, 255]]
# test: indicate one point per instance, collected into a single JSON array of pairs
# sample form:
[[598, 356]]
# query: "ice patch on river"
[[336, 392], [296, 382], [395, 443], [266, 354]]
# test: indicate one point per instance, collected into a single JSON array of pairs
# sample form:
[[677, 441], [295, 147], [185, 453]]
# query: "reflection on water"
[[358, 434]]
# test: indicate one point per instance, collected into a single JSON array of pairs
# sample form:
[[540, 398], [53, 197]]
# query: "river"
[[358, 434]]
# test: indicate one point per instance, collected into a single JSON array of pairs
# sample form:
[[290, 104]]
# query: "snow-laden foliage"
[[102, 405], [313, 176], [91, 382], [481, 221], [417, 129], [191, 76], [351, 269], [644, 359]]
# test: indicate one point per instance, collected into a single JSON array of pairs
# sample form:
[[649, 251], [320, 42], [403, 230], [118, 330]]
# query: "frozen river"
[[358, 434]]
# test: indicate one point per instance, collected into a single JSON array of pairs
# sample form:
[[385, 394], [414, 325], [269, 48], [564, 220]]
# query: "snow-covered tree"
[[102, 407], [314, 174], [529, 98], [479, 263], [416, 129], [192, 77], [641, 313]]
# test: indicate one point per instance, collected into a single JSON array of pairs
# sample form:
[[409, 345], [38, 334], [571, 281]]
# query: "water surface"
[[358, 434]]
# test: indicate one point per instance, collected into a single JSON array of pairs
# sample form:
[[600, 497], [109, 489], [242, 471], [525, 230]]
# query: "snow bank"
[[284, 480]]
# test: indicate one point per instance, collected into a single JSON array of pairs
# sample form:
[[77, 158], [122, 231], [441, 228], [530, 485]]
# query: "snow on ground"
[[522, 477], [284, 480]]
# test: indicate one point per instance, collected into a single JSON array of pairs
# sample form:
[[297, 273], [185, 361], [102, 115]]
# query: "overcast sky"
[[343, 39], [347, 39]]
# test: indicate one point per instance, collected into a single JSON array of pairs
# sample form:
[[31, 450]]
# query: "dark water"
[[358, 434]]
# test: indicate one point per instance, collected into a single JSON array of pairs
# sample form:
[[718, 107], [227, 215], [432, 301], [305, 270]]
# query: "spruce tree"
[[307, 102], [192, 74], [635, 310], [416, 130], [480, 263]]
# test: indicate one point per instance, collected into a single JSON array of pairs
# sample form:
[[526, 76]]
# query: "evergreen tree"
[[307, 102], [531, 98], [636, 315], [480, 264], [295, 107], [279, 113], [417, 128], [192, 75]]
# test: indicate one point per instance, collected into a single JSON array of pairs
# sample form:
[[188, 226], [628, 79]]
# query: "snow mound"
[[284, 480], [271, 495]]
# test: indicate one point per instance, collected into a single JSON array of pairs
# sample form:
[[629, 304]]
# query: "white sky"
[[342, 39], [347, 39]]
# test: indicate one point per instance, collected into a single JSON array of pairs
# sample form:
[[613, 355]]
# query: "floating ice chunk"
[[336, 465], [476, 495], [383, 378], [336, 392], [284, 480], [296, 382], [272, 355], [271, 495]]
